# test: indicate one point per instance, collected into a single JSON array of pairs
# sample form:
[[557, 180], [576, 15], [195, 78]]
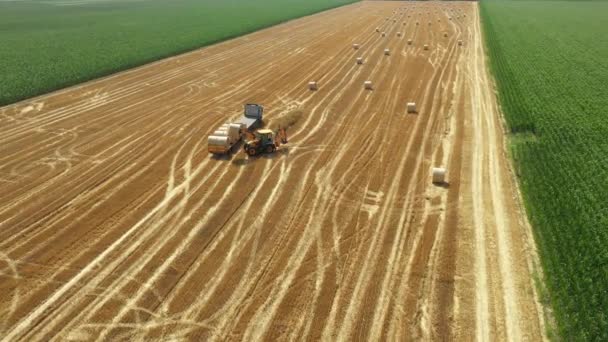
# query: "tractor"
[[264, 141]]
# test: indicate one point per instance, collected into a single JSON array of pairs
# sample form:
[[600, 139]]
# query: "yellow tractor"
[[264, 141]]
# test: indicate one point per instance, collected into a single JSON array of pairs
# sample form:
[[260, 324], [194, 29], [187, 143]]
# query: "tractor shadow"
[[281, 152], [241, 161], [244, 159]]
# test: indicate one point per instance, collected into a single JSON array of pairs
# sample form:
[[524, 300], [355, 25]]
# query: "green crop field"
[[49, 44], [550, 60]]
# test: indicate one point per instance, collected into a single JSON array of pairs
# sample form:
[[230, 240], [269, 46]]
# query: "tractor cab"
[[265, 136], [264, 141]]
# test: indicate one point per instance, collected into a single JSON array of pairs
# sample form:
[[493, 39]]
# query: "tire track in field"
[[332, 238], [334, 244], [484, 119], [344, 143], [100, 276], [119, 316], [376, 325], [338, 198], [336, 97], [78, 110], [424, 303], [152, 76], [392, 277], [275, 47], [362, 283], [312, 130]]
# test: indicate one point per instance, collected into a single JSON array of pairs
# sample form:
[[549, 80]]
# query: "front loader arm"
[[280, 137]]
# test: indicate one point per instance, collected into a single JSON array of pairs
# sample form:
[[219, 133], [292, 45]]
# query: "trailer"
[[225, 137], [222, 141], [252, 117]]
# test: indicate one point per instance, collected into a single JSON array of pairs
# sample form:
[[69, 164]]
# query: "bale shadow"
[[241, 161], [445, 185], [222, 157]]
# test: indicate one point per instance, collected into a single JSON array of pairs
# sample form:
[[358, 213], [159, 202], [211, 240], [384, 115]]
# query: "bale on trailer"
[[359, 60], [312, 85], [221, 131], [411, 107], [234, 131], [218, 144], [368, 85], [218, 140], [438, 175], [387, 52]]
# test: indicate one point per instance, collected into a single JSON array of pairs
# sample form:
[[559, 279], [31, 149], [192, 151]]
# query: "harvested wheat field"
[[117, 224]]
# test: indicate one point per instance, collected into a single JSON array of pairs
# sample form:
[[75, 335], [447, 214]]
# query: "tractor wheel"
[[270, 149], [251, 152]]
